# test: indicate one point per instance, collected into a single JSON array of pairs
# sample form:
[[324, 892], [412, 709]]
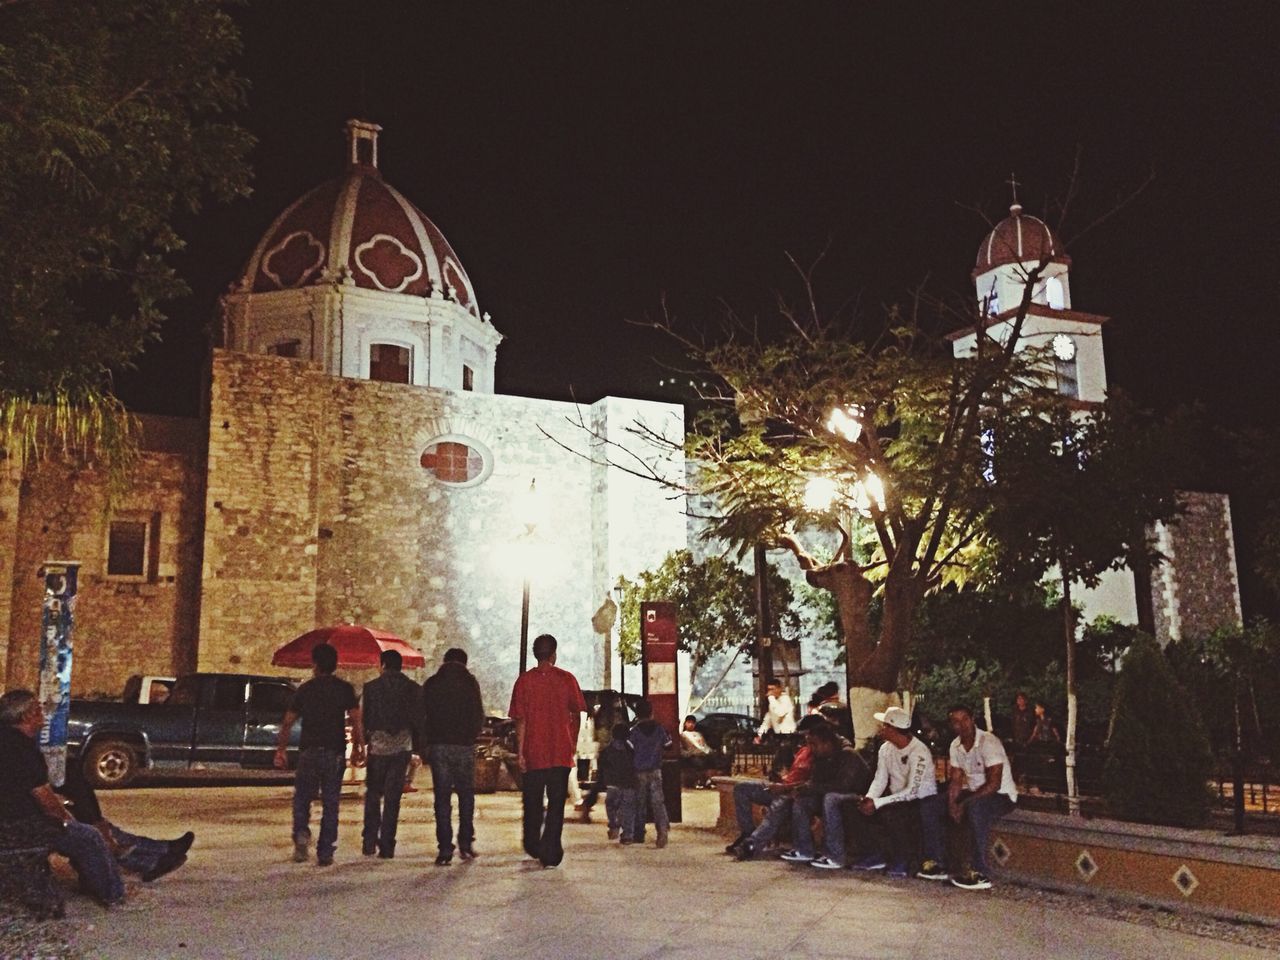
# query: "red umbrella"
[[357, 647]]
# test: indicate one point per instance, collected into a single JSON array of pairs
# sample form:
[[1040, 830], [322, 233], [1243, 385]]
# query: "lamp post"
[[529, 517]]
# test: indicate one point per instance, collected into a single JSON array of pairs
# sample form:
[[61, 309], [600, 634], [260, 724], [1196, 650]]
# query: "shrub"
[[1158, 760]]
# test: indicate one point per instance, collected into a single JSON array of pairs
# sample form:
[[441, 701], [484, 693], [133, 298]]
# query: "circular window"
[[456, 461]]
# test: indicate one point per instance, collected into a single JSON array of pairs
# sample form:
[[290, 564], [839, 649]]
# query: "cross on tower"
[[1014, 185]]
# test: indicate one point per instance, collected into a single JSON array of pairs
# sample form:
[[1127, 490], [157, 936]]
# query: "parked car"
[[209, 722], [722, 730]]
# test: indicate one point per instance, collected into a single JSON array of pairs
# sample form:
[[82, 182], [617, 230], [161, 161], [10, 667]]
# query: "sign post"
[[57, 620], [659, 644]]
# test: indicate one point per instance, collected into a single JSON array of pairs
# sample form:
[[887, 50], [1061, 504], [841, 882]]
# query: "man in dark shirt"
[[390, 715], [322, 703], [453, 717], [28, 800]]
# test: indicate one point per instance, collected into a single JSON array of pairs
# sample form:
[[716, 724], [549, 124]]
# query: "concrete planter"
[[1237, 877]]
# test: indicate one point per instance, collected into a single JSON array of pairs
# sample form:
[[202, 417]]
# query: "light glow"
[[846, 422], [868, 492], [820, 494]]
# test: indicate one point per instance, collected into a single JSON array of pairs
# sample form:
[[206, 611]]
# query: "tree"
[[1158, 759], [112, 121], [893, 429], [1074, 495], [715, 603]]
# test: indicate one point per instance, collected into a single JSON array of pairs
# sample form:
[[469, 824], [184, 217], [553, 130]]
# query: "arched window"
[[1055, 293], [390, 363], [456, 461]]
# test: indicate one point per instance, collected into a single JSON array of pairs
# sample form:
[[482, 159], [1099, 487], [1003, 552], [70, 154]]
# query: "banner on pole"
[[57, 621]]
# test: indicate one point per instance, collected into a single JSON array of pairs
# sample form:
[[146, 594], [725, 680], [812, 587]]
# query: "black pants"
[[893, 831], [543, 825]]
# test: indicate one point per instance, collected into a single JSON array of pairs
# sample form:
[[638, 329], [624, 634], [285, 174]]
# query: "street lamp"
[[529, 510]]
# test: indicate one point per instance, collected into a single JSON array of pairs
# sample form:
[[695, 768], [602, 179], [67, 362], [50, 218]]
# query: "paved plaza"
[[240, 896]]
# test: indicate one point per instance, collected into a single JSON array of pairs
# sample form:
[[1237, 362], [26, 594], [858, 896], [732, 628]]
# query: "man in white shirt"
[[980, 792], [781, 716], [900, 800]]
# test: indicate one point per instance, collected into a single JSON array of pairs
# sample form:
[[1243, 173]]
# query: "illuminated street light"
[[820, 494], [846, 422], [530, 510]]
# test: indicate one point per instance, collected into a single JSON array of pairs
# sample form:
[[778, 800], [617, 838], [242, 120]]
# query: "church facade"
[[355, 464]]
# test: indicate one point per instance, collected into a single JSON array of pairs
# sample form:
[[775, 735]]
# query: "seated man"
[[776, 795], [150, 859], [838, 774], [696, 754], [27, 799], [980, 792], [902, 799]]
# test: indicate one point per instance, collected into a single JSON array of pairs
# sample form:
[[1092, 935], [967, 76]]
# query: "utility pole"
[[764, 630]]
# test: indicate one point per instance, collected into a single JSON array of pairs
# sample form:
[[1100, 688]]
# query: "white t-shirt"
[[987, 751], [906, 772], [781, 717]]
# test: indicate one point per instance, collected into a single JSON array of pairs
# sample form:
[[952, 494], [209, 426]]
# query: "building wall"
[[1196, 590], [318, 511], [123, 625]]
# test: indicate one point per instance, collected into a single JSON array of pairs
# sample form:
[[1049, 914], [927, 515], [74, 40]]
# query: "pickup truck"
[[224, 722]]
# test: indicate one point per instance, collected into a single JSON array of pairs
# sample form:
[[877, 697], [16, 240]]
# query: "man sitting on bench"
[[776, 795]]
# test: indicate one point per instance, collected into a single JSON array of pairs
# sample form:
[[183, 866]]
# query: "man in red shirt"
[[546, 704]]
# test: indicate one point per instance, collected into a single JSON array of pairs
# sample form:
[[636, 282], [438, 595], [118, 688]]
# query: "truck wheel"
[[110, 763]]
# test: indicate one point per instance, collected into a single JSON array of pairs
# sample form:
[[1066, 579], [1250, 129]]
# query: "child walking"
[[617, 774], [648, 739]]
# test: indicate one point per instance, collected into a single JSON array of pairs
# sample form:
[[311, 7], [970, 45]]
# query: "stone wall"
[[123, 625], [1197, 589], [319, 511]]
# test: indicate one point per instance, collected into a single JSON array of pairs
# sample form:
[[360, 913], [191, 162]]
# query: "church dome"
[[358, 228], [1019, 238]]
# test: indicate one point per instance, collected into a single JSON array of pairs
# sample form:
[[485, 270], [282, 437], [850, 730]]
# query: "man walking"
[[29, 807], [390, 713], [321, 704], [453, 716], [781, 715], [547, 706]]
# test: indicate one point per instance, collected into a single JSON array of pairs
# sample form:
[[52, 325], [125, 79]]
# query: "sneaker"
[[826, 863], [613, 833], [795, 856], [182, 844], [301, 849], [873, 862], [732, 848], [932, 870], [971, 881], [661, 840], [444, 859], [898, 871], [167, 863], [746, 850], [467, 853]]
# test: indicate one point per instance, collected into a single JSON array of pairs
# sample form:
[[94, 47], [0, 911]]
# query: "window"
[[271, 699], [285, 348], [468, 378], [1068, 381], [127, 548], [389, 363], [227, 694], [1055, 294], [455, 462]]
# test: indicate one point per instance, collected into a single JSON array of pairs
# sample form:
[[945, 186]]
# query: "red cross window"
[[453, 462]]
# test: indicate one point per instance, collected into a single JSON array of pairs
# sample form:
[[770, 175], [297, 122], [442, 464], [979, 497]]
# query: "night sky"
[[587, 160]]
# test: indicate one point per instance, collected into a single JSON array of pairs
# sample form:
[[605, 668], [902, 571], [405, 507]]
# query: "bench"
[[24, 870]]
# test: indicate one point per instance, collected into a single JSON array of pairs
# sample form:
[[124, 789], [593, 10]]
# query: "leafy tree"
[[1158, 759], [715, 603], [1074, 496], [112, 121]]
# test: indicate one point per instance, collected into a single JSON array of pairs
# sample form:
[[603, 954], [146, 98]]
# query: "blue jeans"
[[745, 796], [970, 838], [319, 771], [933, 826], [544, 825], [453, 770], [620, 805], [649, 794], [88, 852], [145, 854], [833, 826], [803, 809], [383, 785], [777, 814]]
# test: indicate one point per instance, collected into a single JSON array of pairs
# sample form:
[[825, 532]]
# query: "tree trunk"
[[863, 703], [1069, 634]]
